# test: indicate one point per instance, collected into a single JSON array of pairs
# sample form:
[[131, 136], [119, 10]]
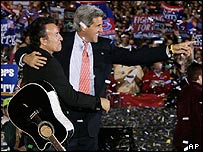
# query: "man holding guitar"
[[30, 107]]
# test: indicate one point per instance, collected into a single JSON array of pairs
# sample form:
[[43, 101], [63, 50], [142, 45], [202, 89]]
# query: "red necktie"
[[84, 84]]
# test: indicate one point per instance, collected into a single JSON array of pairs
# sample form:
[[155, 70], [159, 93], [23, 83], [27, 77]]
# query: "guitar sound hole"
[[46, 129]]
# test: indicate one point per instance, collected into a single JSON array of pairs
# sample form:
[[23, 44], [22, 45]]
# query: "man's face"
[[125, 38], [92, 32], [157, 67], [53, 42]]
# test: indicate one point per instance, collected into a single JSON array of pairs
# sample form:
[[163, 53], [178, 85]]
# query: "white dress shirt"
[[76, 62]]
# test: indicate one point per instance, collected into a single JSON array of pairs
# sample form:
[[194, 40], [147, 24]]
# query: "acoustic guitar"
[[35, 109]]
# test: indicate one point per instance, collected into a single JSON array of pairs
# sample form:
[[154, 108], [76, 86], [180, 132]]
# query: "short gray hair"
[[85, 14]]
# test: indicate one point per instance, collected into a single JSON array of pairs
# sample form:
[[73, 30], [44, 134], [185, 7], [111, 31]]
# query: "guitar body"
[[35, 110]]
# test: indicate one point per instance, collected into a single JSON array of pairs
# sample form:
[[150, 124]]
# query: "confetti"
[[148, 129]]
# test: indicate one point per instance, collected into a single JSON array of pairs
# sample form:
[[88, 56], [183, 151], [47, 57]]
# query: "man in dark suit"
[[102, 54], [46, 39], [189, 111]]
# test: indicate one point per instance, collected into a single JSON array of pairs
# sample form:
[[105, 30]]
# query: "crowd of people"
[[135, 65]]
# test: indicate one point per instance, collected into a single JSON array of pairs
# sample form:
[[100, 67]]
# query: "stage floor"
[[138, 129]]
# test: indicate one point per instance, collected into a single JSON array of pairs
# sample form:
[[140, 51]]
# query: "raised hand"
[[183, 48]]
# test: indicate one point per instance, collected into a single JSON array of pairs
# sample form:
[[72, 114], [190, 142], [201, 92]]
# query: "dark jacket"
[[189, 116], [54, 74]]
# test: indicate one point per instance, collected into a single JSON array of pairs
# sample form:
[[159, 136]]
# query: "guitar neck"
[[57, 145]]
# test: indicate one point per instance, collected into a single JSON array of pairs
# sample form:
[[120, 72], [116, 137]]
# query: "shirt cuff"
[[21, 64], [98, 106], [168, 52]]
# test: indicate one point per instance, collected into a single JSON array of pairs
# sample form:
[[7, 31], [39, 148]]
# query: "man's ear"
[[83, 26], [43, 41]]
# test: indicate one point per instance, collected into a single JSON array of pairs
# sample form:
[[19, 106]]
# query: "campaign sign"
[[8, 33], [197, 37], [9, 79]]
